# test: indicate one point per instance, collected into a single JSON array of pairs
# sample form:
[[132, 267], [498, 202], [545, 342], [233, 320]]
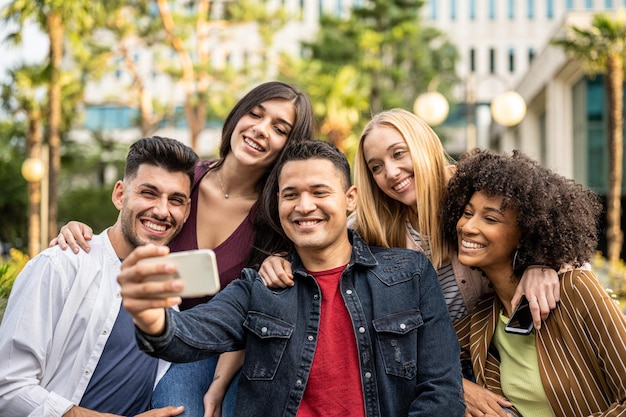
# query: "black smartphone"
[[521, 321]]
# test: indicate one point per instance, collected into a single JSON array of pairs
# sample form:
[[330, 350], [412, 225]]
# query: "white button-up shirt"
[[58, 318]]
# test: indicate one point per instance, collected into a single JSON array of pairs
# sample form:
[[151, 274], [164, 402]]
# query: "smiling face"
[[313, 204], [261, 134], [389, 161], [153, 205], [487, 235]]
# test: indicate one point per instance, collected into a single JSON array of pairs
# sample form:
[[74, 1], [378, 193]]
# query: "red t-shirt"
[[334, 387]]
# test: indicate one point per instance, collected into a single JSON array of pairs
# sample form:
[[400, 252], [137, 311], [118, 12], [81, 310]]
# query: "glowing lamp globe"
[[508, 109], [33, 169], [432, 107]]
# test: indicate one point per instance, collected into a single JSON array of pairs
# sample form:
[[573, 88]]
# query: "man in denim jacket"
[[363, 332]]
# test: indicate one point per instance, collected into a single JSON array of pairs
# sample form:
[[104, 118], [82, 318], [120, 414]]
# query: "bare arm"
[[482, 402], [540, 284], [169, 411], [75, 235], [227, 367]]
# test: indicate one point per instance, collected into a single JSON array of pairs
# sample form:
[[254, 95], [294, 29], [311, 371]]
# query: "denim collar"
[[361, 255]]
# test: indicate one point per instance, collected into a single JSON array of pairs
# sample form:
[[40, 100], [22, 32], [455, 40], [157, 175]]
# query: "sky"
[[34, 47]]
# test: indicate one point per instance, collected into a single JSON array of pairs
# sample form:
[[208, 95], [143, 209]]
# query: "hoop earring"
[[515, 258]]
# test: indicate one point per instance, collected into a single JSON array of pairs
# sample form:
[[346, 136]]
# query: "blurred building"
[[503, 44]]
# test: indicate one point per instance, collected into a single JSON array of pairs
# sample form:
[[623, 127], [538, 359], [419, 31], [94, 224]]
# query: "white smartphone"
[[197, 269], [521, 321]]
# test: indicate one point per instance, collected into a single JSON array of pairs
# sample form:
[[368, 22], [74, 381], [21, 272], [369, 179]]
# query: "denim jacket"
[[408, 350]]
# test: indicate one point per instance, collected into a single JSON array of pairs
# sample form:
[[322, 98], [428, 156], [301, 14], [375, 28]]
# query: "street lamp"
[[432, 107], [35, 170], [507, 109]]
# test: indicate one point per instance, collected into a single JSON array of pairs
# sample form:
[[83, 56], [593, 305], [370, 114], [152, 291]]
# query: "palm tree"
[[21, 95], [601, 48], [54, 18]]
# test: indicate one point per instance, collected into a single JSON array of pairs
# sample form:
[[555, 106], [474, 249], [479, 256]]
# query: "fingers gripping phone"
[[521, 321], [197, 269]]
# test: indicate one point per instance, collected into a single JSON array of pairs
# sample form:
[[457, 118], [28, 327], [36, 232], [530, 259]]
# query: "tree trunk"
[[189, 76], [146, 112], [34, 187], [614, 84], [54, 26]]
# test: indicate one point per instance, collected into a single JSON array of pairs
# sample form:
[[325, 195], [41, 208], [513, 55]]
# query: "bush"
[[612, 275], [9, 270], [92, 206]]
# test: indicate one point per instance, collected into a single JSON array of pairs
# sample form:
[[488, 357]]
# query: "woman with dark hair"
[[504, 213], [224, 218]]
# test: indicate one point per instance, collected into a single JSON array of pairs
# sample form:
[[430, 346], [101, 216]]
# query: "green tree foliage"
[[60, 20], [396, 55], [379, 57], [601, 48], [13, 198]]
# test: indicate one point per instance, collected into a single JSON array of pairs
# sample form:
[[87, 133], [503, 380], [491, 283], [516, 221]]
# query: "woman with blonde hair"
[[382, 217]]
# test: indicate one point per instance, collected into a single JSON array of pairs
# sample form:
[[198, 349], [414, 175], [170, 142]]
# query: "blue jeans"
[[186, 383]]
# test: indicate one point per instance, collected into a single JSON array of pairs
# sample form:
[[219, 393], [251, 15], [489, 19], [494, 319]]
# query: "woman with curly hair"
[[503, 213]]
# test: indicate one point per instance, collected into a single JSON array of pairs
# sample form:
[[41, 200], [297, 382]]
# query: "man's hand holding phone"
[[147, 300], [196, 268]]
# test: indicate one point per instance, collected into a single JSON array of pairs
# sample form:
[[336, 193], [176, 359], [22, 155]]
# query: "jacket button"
[[310, 338], [263, 330], [368, 375], [403, 326], [361, 329], [349, 292]]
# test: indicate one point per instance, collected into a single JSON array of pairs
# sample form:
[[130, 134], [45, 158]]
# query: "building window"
[[492, 60], [550, 9], [110, 117], [589, 4], [511, 12], [531, 55], [492, 9], [569, 5], [597, 152], [472, 60], [433, 10], [339, 7], [531, 9], [472, 9], [608, 4], [452, 9], [511, 60]]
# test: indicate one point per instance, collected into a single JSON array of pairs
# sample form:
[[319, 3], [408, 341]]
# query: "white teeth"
[[402, 184], [155, 227], [307, 223], [254, 145], [471, 245]]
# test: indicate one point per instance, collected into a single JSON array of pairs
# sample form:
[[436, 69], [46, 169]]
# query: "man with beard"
[[67, 345]]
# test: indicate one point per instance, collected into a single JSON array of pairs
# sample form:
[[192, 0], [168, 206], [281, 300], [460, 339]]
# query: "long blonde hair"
[[380, 219]]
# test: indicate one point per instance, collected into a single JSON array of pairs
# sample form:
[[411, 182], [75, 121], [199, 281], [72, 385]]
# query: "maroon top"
[[231, 254]]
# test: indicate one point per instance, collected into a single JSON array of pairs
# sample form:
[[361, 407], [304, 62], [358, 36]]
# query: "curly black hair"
[[558, 218]]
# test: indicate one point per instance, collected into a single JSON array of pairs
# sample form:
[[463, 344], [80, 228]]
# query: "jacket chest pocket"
[[265, 346], [396, 335]]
